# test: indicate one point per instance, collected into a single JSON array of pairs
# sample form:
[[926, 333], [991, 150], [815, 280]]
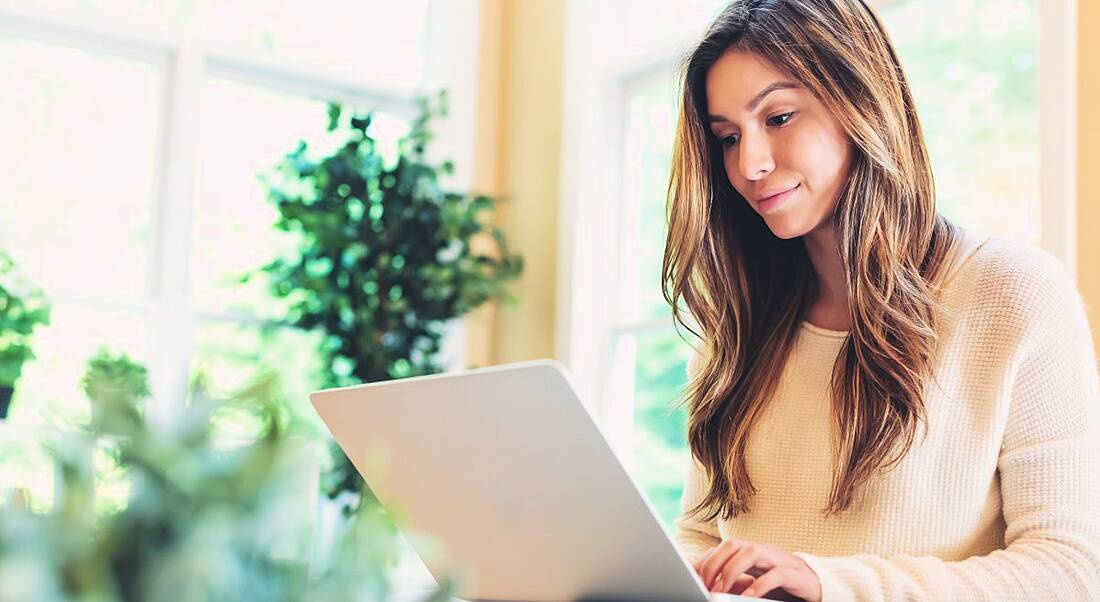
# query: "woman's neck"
[[830, 308]]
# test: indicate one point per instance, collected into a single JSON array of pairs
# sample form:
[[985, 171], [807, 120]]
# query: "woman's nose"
[[754, 161]]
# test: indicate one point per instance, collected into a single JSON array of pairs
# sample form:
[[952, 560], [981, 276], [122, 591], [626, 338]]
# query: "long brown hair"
[[748, 291]]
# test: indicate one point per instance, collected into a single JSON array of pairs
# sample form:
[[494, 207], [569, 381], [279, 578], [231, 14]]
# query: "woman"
[[884, 406]]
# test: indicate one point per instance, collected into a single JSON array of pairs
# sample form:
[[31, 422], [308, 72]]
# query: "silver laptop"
[[508, 471]]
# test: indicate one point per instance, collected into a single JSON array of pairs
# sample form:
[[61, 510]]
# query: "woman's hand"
[[731, 566]]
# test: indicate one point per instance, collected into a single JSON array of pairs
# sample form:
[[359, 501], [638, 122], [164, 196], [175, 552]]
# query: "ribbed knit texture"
[[1000, 502]]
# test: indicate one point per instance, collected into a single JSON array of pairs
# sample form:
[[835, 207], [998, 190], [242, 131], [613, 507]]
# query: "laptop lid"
[[507, 469]]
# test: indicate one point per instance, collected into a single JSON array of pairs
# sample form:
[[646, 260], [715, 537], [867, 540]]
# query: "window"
[[78, 189], [134, 133], [245, 130], [974, 77], [650, 354], [284, 32]]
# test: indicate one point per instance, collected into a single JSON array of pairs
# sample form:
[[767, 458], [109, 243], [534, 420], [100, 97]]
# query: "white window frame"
[[451, 47], [597, 75], [594, 103]]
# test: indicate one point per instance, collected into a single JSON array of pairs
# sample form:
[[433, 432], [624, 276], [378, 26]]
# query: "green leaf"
[[23, 308]]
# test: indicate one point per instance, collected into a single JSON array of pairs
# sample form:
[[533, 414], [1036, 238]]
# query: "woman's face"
[[777, 137]]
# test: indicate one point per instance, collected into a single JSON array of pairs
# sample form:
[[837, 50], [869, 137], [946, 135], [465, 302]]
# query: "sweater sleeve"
[[1049, 468], [695, 536]]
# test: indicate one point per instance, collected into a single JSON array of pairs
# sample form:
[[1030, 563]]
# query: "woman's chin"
[[786, 228]]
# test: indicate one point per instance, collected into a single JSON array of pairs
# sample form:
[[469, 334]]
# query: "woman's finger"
[[767, 582], [740, 584], [698, 564], [753, 559], [711, 567]]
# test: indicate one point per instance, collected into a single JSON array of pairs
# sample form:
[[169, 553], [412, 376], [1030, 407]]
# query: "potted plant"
[[387, 256], [22, 309], [200, 520]]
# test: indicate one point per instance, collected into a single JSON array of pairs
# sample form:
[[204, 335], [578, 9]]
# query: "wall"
[[517, 161], [1088, 159]]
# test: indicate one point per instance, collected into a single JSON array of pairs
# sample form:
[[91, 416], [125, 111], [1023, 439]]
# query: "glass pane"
[[246, 131], [26, 468], [368, 42], [48, 395], [228, 356], [974, 77], [79, 169], [145, 16], [372, 43], [660, 455], [650, 127]]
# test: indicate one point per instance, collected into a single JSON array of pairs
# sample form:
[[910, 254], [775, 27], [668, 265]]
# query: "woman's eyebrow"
[[772, 87]]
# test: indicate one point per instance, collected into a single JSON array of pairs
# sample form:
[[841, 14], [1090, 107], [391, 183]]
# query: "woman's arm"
[[695, 536]]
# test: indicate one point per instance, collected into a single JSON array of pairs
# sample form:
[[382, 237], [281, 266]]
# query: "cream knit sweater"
[[1000, 502]]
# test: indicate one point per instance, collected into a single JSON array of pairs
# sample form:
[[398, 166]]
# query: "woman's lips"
[[770, 203]]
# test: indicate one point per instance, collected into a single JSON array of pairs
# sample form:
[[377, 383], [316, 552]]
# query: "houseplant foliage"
[[22, 309], [202, 520], [387, 256]]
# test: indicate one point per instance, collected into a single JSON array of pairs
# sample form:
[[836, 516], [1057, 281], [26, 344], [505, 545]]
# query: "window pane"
[[79, 183], [246, 131], [660, 444], [228, 356], [25, 466], [975, 81], [651, 125], [373, 43], [79, 169], [149, 17], [48, 393], [367, 42]]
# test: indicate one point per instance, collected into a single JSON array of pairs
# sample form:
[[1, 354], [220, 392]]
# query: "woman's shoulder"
[[1000, 261], [1015, 280]]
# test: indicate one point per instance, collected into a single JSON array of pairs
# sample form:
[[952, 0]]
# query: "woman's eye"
[[780, 119], [729, 140]]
